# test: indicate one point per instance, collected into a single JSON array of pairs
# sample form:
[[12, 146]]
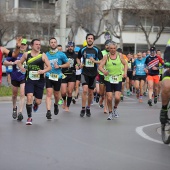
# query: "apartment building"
[[41, 19]]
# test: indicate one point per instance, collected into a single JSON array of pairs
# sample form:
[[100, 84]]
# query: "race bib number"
[[89, 63], [114, 79], [33, 75], [71, 61], [53, 77], [129, 65]]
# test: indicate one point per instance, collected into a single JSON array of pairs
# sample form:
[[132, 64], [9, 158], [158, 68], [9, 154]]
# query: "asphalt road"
[[69, 142]]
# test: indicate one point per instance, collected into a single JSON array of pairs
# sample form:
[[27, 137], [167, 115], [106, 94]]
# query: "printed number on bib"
[[89, 63], [53, 76], [129, 65], [33, 75], [114, 79]]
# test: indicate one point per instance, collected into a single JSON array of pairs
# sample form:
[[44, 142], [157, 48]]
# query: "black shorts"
[[17, 83], [88, 80], [130, 75], [123, 79], [69, 78], [167, 73], [113, 87], [53, 84], [78, 77], [101, 79], [140, 77], [35, 86], [161, 76]]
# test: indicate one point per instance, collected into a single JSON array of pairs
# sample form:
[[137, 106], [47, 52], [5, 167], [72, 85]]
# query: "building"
[[116, 18]]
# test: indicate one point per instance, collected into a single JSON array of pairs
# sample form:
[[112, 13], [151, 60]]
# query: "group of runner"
[[103, 73]]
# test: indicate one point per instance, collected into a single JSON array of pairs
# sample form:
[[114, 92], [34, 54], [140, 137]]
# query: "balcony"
[[32, 15]]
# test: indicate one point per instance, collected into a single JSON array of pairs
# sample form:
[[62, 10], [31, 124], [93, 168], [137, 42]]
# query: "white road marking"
[[140, 131]]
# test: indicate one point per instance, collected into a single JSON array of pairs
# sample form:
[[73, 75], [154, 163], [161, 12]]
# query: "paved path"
[[68, 142]]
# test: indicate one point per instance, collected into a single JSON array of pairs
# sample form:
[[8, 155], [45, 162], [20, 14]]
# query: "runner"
[[152, 70], [68, 83], [139, 75], [112, 62], [17, 81], [90, 55], [58, 60], [9, 53], [34, 84]]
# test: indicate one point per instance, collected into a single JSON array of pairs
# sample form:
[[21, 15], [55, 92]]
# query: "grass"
[[7, 91]]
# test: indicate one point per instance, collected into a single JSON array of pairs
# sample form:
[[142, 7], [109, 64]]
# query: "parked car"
[[3, 70]]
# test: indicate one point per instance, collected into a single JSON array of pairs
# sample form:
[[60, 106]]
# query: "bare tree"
[[88, 15]]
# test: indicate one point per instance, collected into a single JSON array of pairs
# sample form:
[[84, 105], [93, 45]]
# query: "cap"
[[119, 50], [107, 42], [152, 49], [70, 43], [24, 41], [84, 43], [76, 49]]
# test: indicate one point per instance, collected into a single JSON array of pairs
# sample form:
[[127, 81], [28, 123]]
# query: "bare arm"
[[15, 53], [47, 64], [101, 66], [124, 63]]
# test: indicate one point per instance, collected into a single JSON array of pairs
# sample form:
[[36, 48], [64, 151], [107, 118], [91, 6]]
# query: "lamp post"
[[63, 23]]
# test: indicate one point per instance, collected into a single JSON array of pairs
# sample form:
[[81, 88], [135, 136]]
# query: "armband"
[[10, 53]]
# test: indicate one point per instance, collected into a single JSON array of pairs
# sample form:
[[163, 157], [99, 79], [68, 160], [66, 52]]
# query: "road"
[[69, 142]]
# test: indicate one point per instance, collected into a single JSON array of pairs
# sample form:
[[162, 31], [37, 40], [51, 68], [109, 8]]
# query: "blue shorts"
[[36, 87]]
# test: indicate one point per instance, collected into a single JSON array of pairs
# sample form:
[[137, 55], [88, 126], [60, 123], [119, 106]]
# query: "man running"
[[58, 61], [17, 81], [91, 56], [152, 70], [9, 53], [34, 85], [68, 83], [112, 62]]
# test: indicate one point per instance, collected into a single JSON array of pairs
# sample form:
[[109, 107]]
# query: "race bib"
[[53, 77], [114, 79], [33, 75], [71, 61], [89, 63], [129, 65]]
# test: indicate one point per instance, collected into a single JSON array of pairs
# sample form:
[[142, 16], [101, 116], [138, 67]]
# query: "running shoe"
[[150, 102], [60, 102], [97, 99], [144, 93], [82, 113], [56, 109], [20, 116], [29, 121], [88, 113], [74, 101], [101, 105], [163, 116], [14, 114], [121, 97], [115, 113], [35, 106], [128, 93], [155, 100], [110, 117], [140, 99], [48, 114]]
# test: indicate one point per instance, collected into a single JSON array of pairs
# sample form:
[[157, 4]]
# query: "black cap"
[[119, 50], [152, 49], [70, 43], [107, 42]]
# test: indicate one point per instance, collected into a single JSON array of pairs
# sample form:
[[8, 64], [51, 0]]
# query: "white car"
[[3, 69]]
